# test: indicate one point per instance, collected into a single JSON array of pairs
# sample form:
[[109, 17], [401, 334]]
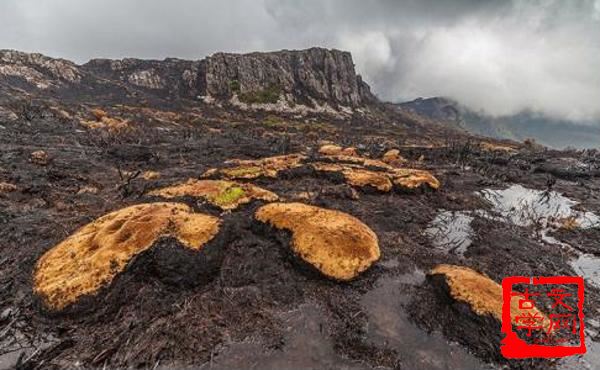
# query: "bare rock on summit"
[[307, 75], [171, 77], [37, 69], [318, 79]]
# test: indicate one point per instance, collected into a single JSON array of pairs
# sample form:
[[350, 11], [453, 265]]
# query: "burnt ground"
[[258, 307]]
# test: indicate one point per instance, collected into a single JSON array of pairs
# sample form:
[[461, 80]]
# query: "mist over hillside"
[[551, 132]]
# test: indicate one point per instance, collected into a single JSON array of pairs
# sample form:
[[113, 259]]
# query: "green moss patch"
[[230, 195]]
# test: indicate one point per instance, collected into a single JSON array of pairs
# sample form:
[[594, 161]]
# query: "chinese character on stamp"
[[542, 317]]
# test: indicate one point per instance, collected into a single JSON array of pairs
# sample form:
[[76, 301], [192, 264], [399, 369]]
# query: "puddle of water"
[[541, 209], [414, 278], [589, 361], [389, 325], [588, 266], [307, 346], [526, 207], [451, 231]]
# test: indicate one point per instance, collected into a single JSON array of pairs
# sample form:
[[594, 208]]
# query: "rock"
[[90, 258], [7, 115], [301, 81], [314, 74], [37, 69], [226, 195], [171, 77], [7, 313], [481, 293], [335, 243], [88, 190], [147, 78], [39, 157]]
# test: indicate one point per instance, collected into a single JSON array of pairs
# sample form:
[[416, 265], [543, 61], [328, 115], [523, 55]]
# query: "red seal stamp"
[[542, 317]]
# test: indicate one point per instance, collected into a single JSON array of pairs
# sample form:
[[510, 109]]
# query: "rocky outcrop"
[[306, 77], [315, 79], [174, 77], [37, 69]]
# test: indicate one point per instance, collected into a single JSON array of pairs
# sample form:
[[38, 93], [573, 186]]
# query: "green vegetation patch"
[[229, 196], [265, 96], [234, 86], [274, 121]]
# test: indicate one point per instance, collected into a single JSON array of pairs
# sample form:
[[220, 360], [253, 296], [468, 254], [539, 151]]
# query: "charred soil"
[[248, 301]]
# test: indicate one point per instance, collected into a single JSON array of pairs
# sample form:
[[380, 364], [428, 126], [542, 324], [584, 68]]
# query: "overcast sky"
[[497, 56]]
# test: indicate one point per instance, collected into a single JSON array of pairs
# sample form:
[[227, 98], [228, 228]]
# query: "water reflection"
[[529, 207], [451, 231]]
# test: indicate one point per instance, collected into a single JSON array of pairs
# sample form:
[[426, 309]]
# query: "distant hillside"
[[547, 131], [314, 79]]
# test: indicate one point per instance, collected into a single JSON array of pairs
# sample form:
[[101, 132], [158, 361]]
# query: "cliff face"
[[314, 77], [325, 76], [174, 77]]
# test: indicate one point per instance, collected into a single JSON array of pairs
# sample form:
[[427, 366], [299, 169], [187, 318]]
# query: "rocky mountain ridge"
[[315, 78]]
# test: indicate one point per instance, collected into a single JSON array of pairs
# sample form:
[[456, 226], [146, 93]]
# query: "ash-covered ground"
[[260, 308]]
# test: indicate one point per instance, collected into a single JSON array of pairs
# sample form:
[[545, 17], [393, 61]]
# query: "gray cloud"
[[497, 56]]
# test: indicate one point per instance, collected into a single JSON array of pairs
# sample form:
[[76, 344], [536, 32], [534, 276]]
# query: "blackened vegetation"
[[177, 308], [435, 310]]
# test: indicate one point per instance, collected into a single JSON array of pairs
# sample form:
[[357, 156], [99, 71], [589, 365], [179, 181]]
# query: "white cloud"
[[371, 51], [500, 56]]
